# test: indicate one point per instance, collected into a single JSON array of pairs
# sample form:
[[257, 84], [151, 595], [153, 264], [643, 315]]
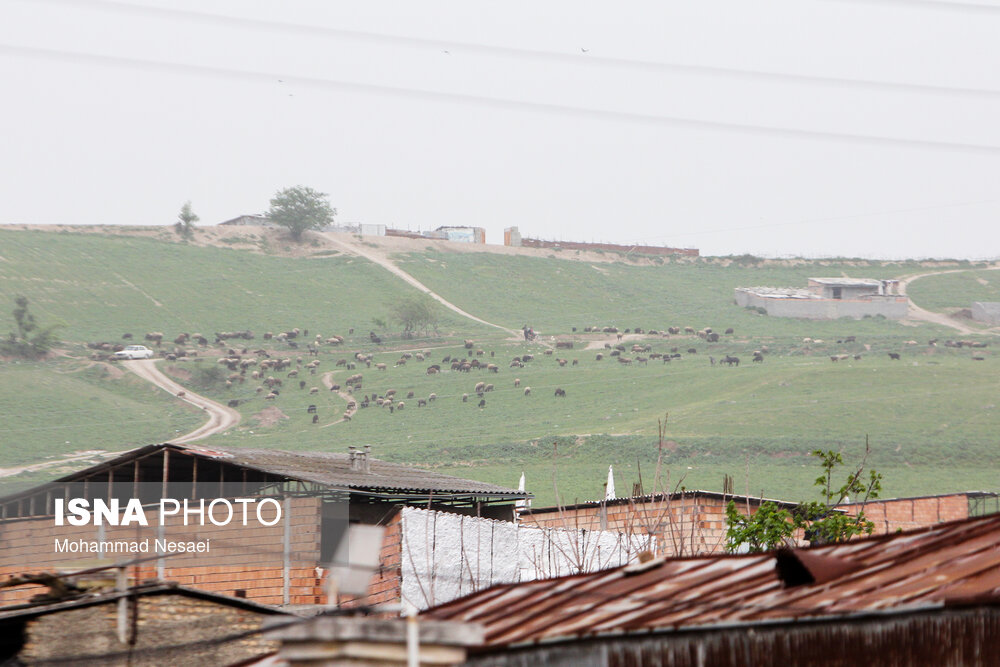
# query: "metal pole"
[[412, 637]]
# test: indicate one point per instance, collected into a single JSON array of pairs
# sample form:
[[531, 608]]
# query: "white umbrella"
[[609, 489]]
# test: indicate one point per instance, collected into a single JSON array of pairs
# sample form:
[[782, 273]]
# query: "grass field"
[[932, 416], [952, 291]]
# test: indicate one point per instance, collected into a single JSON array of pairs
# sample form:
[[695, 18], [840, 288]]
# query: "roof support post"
[[286, 542]]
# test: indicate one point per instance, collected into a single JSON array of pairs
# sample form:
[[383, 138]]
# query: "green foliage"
[[769, 527], [185, 221], [300, 209], [825, 526], [29, 341], [764, 530], [208, 377], [416, 313]]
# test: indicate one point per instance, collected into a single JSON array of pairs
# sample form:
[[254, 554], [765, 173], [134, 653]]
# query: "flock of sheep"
[[270, 371]]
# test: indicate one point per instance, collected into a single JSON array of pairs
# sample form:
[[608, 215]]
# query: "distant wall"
[[609, 247], [986, 311], [891, 307]]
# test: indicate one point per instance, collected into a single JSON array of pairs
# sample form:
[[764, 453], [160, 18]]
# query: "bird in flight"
[[585, 50]]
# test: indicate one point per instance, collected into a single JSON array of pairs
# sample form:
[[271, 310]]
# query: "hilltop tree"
[[300, 209], [185, 221], [29, 341]]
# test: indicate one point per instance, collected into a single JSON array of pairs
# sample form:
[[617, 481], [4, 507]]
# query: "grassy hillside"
[[555, 295], [102, 287], [952, 291], [61, 406], [932, 416]]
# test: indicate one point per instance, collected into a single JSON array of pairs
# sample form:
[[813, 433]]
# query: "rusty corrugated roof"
[[949, 564]]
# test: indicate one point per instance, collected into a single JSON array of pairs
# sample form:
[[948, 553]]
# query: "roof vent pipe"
[[367, 461], [352, 457]]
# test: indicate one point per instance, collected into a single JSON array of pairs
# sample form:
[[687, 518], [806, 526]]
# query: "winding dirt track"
[[918, 313], [391, 267], [220, 417]]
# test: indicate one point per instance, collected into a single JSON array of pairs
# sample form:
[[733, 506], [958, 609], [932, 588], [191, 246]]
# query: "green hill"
[[931, 416]]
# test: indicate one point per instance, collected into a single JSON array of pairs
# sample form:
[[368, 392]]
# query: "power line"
[[78, 57], [934, 5], [455, 47]]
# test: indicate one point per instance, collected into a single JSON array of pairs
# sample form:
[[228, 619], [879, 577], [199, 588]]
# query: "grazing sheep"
[[311, 410], [758, 357], [234, 402], [527, 391], [488, 387], [692, 350], [894, 356], [400, 405], [465, 398], [271, 396], [469, 344], [730, 360], [181, 394], [380, 367], [729, 331], [316, 419], [127, 336], [561, 392], [421, 403], [479, 387], [347, 417], [599, 356], [517, 382], [313, 390], [410, 394], [576, 362], [482, 403], [561, 362]]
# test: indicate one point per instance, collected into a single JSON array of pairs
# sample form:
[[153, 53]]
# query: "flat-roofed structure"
[[828, 299]]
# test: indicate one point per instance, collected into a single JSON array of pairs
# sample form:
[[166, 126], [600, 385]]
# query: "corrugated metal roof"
[[949, 564], [334, 470]]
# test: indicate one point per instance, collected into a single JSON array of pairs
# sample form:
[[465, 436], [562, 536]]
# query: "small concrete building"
[[828, 299], [986, 311]]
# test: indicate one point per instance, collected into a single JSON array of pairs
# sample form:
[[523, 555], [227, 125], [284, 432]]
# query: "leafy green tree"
[[29, 341], [185, 221], [769, 527], [416, 313], [300, 209], [764, 530]]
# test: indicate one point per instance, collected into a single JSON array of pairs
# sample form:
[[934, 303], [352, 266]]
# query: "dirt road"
[[390, 266], [220, 417], [918, 313]]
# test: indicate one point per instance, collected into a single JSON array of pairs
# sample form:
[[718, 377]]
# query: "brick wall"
[[386, 584], [166, 625], [683, 526], [246, 559], [896, 514], [609, 247]]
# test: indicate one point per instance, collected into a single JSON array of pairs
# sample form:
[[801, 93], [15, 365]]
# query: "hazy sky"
[[813, 127]]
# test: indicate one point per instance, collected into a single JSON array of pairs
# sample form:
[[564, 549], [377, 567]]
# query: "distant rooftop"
[[848, 282]]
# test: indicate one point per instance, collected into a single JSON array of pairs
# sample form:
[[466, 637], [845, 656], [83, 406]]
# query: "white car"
[[134, 352]]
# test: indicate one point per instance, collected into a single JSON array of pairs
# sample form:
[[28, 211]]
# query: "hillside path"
[[220, 417], [327, 379], [918, 313], [390, 266]]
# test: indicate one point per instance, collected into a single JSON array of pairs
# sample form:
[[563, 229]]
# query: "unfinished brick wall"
[[386, 584], [684, 526], [894, 514], [166, 626]]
